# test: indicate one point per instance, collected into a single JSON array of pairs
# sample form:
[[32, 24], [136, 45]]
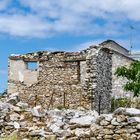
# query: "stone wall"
[[55, 83], [123, 124], [120, 57], [70, 79], [119, 60], [99, 78]]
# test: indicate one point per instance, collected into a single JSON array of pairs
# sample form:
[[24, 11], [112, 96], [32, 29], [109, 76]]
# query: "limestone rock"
[[119, 111], [134, 120], [121, 131], [22, 105], [83, 121], [104, 123], [114, 122], [138, 126], [39, 132], [82, 133], [133, 112], [133, 137], [38, 111], [125, 136], [13, 98], [108, 117], [16, 125], [116, 137], [108, 131], [108, 137], [121, 118], [14, 116], [131, 130]]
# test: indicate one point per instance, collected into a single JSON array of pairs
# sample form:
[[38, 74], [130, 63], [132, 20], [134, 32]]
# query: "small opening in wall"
[[32, 65]]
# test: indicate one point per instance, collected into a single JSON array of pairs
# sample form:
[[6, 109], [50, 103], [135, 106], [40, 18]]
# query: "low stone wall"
[[19, 120], [124, 124]]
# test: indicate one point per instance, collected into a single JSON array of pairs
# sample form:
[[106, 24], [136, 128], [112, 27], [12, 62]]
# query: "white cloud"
[[99, 8], [80, 17], [4, 4], [20, 25]]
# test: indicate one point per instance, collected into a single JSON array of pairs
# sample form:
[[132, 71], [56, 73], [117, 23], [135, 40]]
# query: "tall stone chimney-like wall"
[[99, 78]]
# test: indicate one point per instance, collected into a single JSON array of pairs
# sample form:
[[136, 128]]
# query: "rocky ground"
[[18, 121]]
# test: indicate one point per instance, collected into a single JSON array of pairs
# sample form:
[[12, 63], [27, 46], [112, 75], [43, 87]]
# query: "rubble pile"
[[29, 123], [37, 122], [123, 124]]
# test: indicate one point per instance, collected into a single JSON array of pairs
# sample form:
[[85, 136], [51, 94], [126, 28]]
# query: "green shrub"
[[121, 102]]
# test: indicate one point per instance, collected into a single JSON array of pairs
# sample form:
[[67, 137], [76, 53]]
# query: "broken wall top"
[[45, 55], [72, 56]]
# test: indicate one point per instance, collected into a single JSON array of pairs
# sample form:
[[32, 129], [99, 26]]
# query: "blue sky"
[[70, 25]]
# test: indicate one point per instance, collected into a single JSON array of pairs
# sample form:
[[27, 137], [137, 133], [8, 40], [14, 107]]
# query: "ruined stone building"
[[70, 79]]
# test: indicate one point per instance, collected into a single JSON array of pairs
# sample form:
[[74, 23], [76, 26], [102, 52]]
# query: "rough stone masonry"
[[70, 79], [18, 121]]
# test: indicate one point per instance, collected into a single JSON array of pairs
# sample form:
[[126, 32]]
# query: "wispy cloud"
[[33, 18], [3, 72], [85, 45], [123, 42]]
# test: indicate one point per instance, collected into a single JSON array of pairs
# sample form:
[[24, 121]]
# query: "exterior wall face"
[[83, 72], [99, 80], [116, 47], [135, 55], [118, 82], [58, 81], [69, 79], [19, 72]]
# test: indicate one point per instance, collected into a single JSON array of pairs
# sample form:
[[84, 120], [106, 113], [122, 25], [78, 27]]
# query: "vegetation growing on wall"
[[121, 102]]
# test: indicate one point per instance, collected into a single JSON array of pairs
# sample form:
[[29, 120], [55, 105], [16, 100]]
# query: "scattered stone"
[[39, 123], [82, 133], [108, 136], [116, 137], [108, 117], [131, 130], [133, 112], [119, 111], [108, 131], [39, 132], [22, 105], [121, 131], [125, 136], [13, 98], [16, 125], [138, 126], [14, 116], [121, 118], [38, 111], [83, 121], [104, 123], [134, 120], [114, 122]]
